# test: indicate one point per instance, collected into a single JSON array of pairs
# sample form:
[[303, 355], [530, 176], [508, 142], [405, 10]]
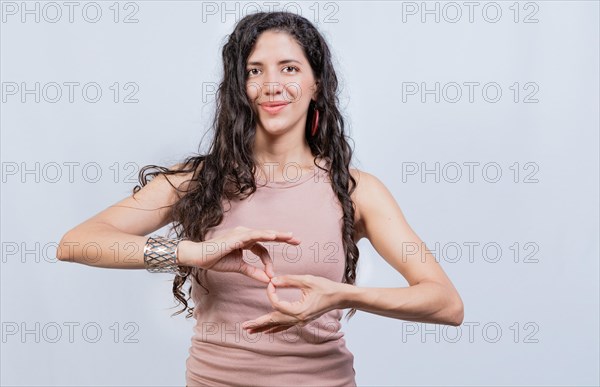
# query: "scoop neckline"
[[292, 182]]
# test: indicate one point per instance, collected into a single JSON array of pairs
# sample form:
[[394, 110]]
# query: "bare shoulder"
[[366, 183], [375, 205], [164, 189], [367, 186]]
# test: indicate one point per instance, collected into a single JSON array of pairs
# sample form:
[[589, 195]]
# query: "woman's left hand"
[[319, 295]]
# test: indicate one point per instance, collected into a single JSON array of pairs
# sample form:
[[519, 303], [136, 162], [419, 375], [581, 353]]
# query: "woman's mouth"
[[273, 108]]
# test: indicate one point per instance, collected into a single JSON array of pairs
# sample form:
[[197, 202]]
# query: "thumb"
[[282, 306], [289, 280]]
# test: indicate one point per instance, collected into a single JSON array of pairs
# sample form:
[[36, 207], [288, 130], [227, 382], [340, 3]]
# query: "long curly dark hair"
[[228, 169]]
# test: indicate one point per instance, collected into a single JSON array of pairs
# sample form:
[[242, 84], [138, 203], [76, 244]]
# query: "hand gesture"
[[224, 253]]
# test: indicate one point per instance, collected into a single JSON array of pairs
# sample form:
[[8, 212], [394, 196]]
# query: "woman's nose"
[[272, 88], [271, 75]]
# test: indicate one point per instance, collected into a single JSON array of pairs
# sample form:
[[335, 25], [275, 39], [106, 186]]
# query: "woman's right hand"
[[224, 253]]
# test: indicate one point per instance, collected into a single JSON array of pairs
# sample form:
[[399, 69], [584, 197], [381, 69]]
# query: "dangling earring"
[[315, 122]]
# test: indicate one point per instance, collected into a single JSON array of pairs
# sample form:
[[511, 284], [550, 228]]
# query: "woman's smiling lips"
[[273, 107]]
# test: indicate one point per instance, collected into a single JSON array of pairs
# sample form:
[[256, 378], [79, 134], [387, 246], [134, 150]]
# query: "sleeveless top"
[[222, 353]]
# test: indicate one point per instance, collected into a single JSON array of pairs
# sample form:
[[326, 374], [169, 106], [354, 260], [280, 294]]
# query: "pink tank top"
[[222, 353]]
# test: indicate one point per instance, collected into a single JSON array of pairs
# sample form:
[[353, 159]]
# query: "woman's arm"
[[431, 296], [115, 237]]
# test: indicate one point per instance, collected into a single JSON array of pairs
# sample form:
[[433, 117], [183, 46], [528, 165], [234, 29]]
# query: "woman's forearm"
[[427, 302], [101, 245]]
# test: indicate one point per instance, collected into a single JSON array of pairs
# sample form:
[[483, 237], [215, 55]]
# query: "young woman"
[[272, 208]]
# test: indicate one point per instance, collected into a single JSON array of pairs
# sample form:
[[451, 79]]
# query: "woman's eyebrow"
[[283, 61]]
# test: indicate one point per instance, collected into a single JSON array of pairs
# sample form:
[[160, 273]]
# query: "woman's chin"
[[274, 130]]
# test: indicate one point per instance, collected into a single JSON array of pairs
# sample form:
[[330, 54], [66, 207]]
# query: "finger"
[[261, 329], [263, 322], [277, 329], [253, 235], [273, 328], [290, 280], [287, 237], [250, 236], [262, 252], [254, 272], [293, 240], [278, 236]]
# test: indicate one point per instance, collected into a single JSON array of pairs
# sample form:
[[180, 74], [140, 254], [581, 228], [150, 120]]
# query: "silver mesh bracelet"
[[160, 255]]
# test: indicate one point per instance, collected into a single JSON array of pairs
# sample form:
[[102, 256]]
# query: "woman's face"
[[279, 74]]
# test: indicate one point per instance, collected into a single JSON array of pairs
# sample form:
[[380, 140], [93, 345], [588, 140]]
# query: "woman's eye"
[[249, 72]]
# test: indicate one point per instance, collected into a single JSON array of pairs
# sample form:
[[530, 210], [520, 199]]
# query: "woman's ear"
[[317, 90]]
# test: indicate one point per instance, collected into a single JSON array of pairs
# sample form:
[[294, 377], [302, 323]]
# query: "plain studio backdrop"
[[481, 118]]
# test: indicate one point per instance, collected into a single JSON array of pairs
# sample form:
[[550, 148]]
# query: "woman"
[[272, 208]]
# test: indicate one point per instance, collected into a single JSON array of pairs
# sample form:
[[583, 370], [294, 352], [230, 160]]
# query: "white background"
[[532, 322]]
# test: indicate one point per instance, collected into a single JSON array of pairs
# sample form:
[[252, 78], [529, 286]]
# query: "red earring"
[[315, 122]]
